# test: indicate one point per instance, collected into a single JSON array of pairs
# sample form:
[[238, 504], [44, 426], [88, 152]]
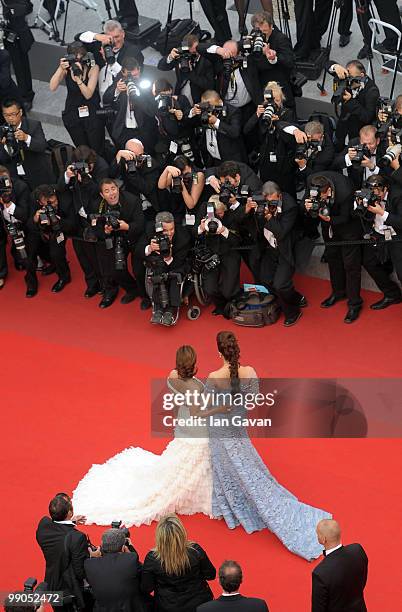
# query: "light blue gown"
[[245, 492]]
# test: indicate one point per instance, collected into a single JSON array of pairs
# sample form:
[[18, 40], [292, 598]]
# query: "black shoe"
[[218, 311], [352, 314], [91, 291], [31, 293], [157, 317], [128, 297], [145, 304], [303, 302], [107, 300], [385, 302], [292, 320], [168, 318], [48, 270], [19, 266], [384, 50], [61, 283], [363, 53], [331, 300], [344, 40]]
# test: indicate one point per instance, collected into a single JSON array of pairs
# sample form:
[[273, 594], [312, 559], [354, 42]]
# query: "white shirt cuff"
[[169, 59], [216, 124], [225, 232], [376, 170], [88, 37], [274, 61], [28, 140], [147, 250], [385, 215], [191, 114], [212, 48], [209, 178], [348, 161], [11, 209], [290, 129], [66, 178]]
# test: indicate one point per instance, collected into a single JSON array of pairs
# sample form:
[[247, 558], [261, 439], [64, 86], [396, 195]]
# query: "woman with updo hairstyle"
[[176, 570], [244, 491]]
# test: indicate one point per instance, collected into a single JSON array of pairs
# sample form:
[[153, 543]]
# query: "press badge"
[[60, 238], [272, 158], [388, 234], [20, 170], [190, 219], [173, 147], [83, 111]]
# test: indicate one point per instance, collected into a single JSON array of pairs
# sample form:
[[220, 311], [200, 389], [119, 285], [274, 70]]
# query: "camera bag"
[[254, 309], [173, 34]]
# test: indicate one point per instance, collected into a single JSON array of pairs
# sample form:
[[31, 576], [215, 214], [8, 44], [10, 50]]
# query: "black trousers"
[[57, 253], [275, 272], [87, 255], [112, 279], [311, 24], [88, 131], [215, 12], [372, 262], [388, 12], [344, 264], [22, 69], [223, 283]]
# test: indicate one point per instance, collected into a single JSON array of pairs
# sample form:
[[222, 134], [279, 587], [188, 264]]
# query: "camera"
[[395, 135], [253, 43], [259, 199], [132, 165], [6, 35], [362, 151], [186, 149], [165, 103], [342, 86], [119, 254], [162, 240], [204, 260], [227, 191], [87, 60], [117, 525], [307, 149], [112, 219], [132, 89], [385, 106], [271, 108], [8, 132], [208, 109], [5, 187], [109, 54], [212, 224], [363, 199], [106, 111], [17, 235], [318, 206], [49, 222], [231, 63], [80, 168], [185, 58], [391, 154]]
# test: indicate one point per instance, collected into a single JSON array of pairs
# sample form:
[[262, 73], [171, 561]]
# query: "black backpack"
[[61, 156], [177, 30]]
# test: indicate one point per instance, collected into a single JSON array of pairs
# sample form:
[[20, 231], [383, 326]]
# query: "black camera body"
[[204, 260], [227, 191], [362, 151], [270, 107], [162, 240], [253, 43], [231, 63], [364, 198], [80, 168], [306, 150], [111, 218], [185, 58], [49, 223], [132, 165], [385, 105], [109, 54], [165, 103], [17, 235], [87, 60], [208, 109], [8, 132], [319, 207], [341, 86]]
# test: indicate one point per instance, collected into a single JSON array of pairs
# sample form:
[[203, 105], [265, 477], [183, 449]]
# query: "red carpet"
[[76, 390]]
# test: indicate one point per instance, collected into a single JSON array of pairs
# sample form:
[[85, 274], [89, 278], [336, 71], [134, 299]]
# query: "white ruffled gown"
[[138, 487]]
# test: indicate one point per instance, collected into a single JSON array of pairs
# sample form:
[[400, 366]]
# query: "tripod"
[[338, 4], [170, 19]]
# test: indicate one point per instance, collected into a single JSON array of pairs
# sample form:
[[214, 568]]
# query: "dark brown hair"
[[229, 348], [186, 361]]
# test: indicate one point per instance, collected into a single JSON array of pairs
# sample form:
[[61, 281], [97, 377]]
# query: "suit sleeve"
[[148, 582], [282, 225], [79, 552], [319, 595], [165, 66], [231, 125], [38, 141], [363, 111], [204, 76], [208, 570]]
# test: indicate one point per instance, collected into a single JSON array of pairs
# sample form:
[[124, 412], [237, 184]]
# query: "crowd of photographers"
[[203, 175]]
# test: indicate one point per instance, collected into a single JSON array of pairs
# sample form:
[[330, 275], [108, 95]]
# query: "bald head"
[[329, 533], [135, 146]]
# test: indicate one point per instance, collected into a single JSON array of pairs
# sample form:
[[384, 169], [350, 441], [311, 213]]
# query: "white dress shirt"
[[379, 222], [8, 212], [331, 550], [106, 77]]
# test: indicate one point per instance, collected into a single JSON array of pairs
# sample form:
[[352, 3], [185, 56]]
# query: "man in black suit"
[[215, 12], [230, 579], [8, 89], [194, 80], [329, 201], [340, 578], [134, 118], [175, 263], [220, 131], [114, 34], [277, 60], [232, 171], [358, 103], [312, 21], [359, 172], [318, 152], [27, 158], [65, 550], [114, 577]]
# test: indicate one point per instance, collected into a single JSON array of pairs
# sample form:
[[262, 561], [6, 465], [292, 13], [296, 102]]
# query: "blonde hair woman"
[[176, 570]]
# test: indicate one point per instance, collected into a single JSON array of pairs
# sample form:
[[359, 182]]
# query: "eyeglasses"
[[12, 114]]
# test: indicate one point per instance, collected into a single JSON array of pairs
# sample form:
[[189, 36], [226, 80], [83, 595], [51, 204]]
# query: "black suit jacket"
[[234, 603], [144, 181], [50, 537], [201, 78], [179, 593], [356, 172], [33, 158], [130, 212], [228, 135], [339, 581], [22, 199], [247, 176], [65, 210], [280, 71], [181, 245], [127, 50], [114, 579]]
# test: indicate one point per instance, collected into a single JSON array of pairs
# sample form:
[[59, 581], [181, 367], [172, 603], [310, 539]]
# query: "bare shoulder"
[[215, 374], [247, 372], [173, 374]]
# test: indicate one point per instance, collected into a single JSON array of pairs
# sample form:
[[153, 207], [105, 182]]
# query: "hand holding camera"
[[250, 205], [121, 86], [174, 54], [340, 71], [20, 135]]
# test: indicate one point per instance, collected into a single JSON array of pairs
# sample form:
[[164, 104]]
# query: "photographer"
[[232, 172], [272, 224], [194, 72], [329, 201], [165, 253], [219, 129], [182, 187], [81, 179], [114, 576], [385, 207], [361, 157], [140, 174], [277, 60], [79, 115], [314, 155], [18, 41], [134, 107], [357, 96], [114, 36], [218, 230], [118, 223], [15, 207], [23, 146], [52, 221], [276, 150], [175, 133]]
